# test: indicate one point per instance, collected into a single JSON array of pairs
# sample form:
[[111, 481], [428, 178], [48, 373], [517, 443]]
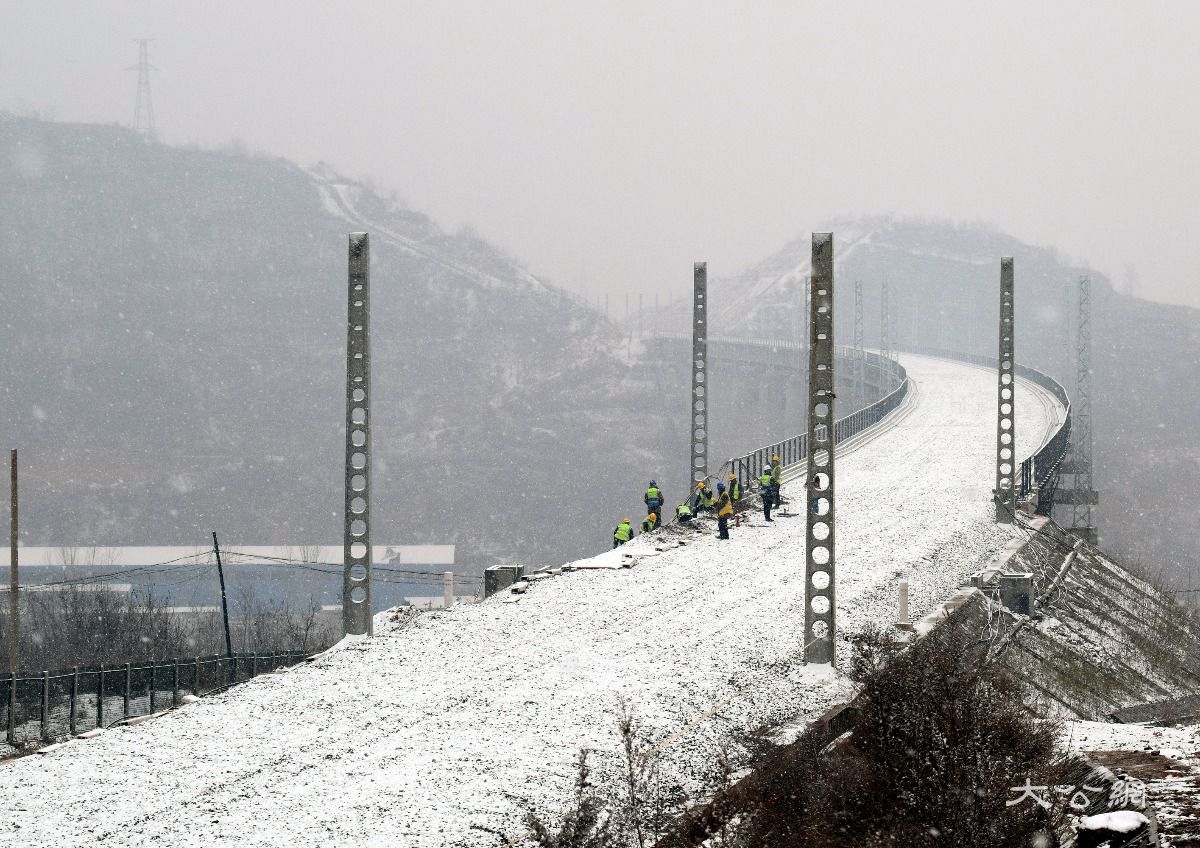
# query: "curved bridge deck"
[[445, 730]]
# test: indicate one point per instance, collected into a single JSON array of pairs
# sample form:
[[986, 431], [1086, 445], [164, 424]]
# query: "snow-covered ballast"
[[1040, 471]]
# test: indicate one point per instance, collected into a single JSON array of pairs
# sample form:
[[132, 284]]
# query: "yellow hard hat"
[[700, 485], [624, 520], [775, 458], [652, 517], [732, 476]]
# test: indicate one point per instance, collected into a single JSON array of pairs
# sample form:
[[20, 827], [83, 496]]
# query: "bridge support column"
[[356, 571], [1006, 419], [698, 460], [820, 600]]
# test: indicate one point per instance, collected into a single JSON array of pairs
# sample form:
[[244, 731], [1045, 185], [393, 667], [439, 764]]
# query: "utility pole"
[[860, 355], [821, 607], [698, 458], [143, 109], [14, 580], [224, 603], [885, 337], [356, 516], [1006, 419]]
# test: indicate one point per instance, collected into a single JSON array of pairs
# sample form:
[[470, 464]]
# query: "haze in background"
[[609, 145]]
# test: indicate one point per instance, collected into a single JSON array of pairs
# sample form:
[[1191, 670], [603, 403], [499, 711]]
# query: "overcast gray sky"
[[620, 141]]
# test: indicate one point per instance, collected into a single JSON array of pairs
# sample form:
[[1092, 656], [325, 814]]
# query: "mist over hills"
[[942, 282], [174, 331], [174, 337]]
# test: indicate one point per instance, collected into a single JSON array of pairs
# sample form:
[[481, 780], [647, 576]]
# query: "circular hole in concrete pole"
[[1006, 393], [821, 410], [1006, 438], [1005, 423], [358, 416], [821, 482], [358, 572], [358, 506], [1006, 378], [1006, 453], [820, 530], [821, 458], [358, 482], [358, 550], [820, 555], [357, 595], [820, 604], [358, 461], [1006, 409], [820, 580], [358, 527], [820, 630], [1005, 468], [358, 438], [358, 395], [822, 506]]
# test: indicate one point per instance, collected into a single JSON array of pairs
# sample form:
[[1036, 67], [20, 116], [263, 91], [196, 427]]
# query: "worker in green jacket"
[[654, 498], [734, 486], [622, 533], [703, 499], [767, 491], [683, 512], [776, 479], [650, 523]]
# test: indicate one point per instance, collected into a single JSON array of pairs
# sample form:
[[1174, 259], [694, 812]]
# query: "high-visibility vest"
[[683, 511], [765, 481], [726, 504], [706, 497], [735, 489], [624, 532], [648, 525], [776, 473], [653, 494]]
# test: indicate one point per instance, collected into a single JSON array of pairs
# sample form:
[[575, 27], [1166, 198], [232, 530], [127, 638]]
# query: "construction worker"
[[649, 523], [735, 487], [622, 533], [724, 510], [776, 479], [653, 498], [767, 490], [684, 513], [704, 497]]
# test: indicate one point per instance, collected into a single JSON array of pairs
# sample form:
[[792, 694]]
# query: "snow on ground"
[[1165, 759], [447, 727]]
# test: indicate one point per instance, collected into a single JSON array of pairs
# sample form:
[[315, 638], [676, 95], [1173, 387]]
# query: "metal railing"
[[48, 705], [794, 449]]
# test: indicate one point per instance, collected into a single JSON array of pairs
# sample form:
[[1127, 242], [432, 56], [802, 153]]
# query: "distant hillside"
[[943, 281], [174, 335]]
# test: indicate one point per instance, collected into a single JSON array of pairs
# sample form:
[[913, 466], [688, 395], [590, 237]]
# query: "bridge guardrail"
[[794, 450]]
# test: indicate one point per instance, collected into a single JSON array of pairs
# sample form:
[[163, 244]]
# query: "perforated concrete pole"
[[447, 589], [821, 605], [1006, 420], [698, 463], [356, 573]]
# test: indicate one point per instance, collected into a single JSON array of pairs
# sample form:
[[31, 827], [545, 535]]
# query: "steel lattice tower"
[[1083, 496], [143, 109]]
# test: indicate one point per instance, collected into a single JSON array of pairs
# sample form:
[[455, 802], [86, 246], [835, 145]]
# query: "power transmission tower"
[[143, 109], [1081, 497]]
